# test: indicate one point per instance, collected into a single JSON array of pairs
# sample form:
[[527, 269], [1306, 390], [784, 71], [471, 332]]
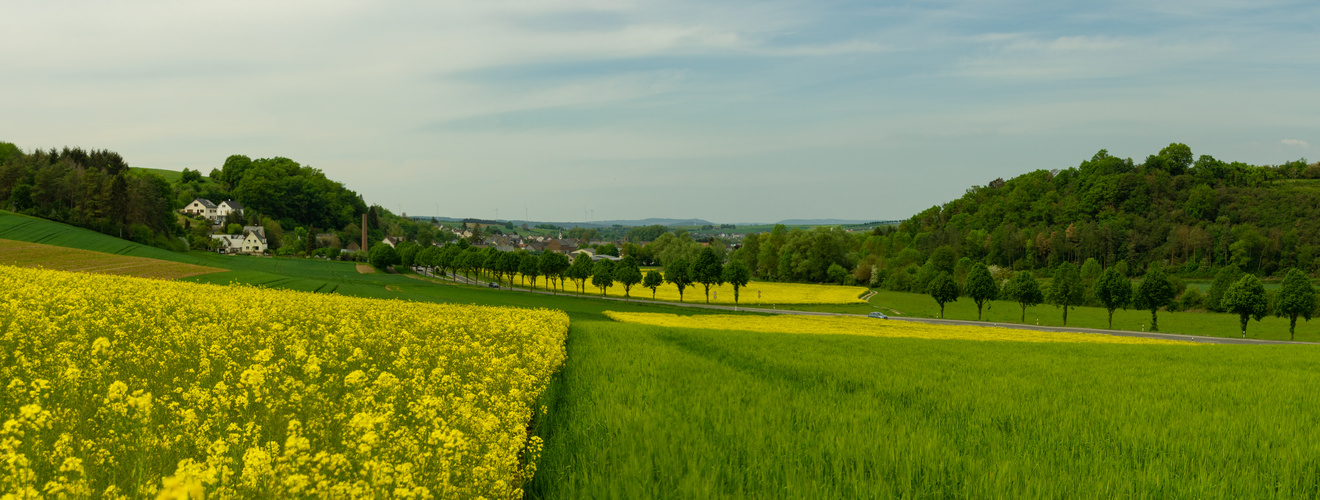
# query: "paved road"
[[1120, 333], [1016, 326]]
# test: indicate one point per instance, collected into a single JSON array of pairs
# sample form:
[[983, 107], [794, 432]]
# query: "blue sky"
[[728, 111]]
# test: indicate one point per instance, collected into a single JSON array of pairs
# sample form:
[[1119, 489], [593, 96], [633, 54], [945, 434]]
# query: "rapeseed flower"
[[120, 387]]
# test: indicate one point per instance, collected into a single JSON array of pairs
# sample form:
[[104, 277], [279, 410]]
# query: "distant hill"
[[822, 222], [655, 222], [593, 224]]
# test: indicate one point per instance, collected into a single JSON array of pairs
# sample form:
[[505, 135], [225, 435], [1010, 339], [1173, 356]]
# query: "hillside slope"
[[36, 230], [294, 274], [1192, 216]]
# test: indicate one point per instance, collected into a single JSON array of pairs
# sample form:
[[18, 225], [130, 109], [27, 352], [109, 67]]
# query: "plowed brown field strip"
[[23, 254]]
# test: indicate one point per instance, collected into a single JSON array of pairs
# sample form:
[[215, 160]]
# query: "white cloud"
[[1034, 58], [1295, 142]]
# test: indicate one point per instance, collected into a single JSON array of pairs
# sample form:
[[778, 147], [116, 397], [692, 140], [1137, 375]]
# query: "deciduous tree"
[[980, 286], [737, 274], [509, 264], [653, 280], [492, 263], [1246, 298], [383, 256], [1154, 292], [1223, 279], [1024, 290], [1113, 291], [708, 270], [580, 271], [1296, 297], [1066, 289], [554, 266], [602, 275], [530, 267], [627, 274], [943, 289], [679, 273]]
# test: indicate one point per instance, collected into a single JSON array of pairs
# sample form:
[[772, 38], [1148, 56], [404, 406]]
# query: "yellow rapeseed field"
[[755, 294], [121, 387], [851, 325]]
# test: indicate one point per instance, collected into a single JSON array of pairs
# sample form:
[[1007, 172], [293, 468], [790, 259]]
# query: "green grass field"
[[170, 175], [649, 412], [174, 176], [34, 230]]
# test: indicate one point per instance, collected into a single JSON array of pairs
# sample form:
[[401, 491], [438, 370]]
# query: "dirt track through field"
[[23, 254]]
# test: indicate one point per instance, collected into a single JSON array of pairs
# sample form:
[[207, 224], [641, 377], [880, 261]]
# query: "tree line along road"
[[933, 321]]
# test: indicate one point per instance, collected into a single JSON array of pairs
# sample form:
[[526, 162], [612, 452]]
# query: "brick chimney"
[[364, 232]]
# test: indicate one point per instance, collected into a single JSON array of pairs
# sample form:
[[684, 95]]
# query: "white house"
[[226, 207], [255, 243], [202, 207], [392, 241], [229, 243]]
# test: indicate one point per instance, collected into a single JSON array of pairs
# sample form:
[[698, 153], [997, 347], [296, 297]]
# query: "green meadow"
[[649, 412]]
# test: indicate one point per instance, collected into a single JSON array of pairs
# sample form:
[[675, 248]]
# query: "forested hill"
[[98, 190], [1188, 215]]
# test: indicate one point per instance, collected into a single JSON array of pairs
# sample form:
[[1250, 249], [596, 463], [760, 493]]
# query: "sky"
[[729, 111]]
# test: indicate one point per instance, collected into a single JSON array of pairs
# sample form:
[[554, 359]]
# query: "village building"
[[229, 243], [254, 243], [202, 207], [560, 245], [251, 241], [227, 207]]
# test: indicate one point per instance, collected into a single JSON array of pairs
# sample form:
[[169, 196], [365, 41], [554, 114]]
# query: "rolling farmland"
[[668, 402]]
